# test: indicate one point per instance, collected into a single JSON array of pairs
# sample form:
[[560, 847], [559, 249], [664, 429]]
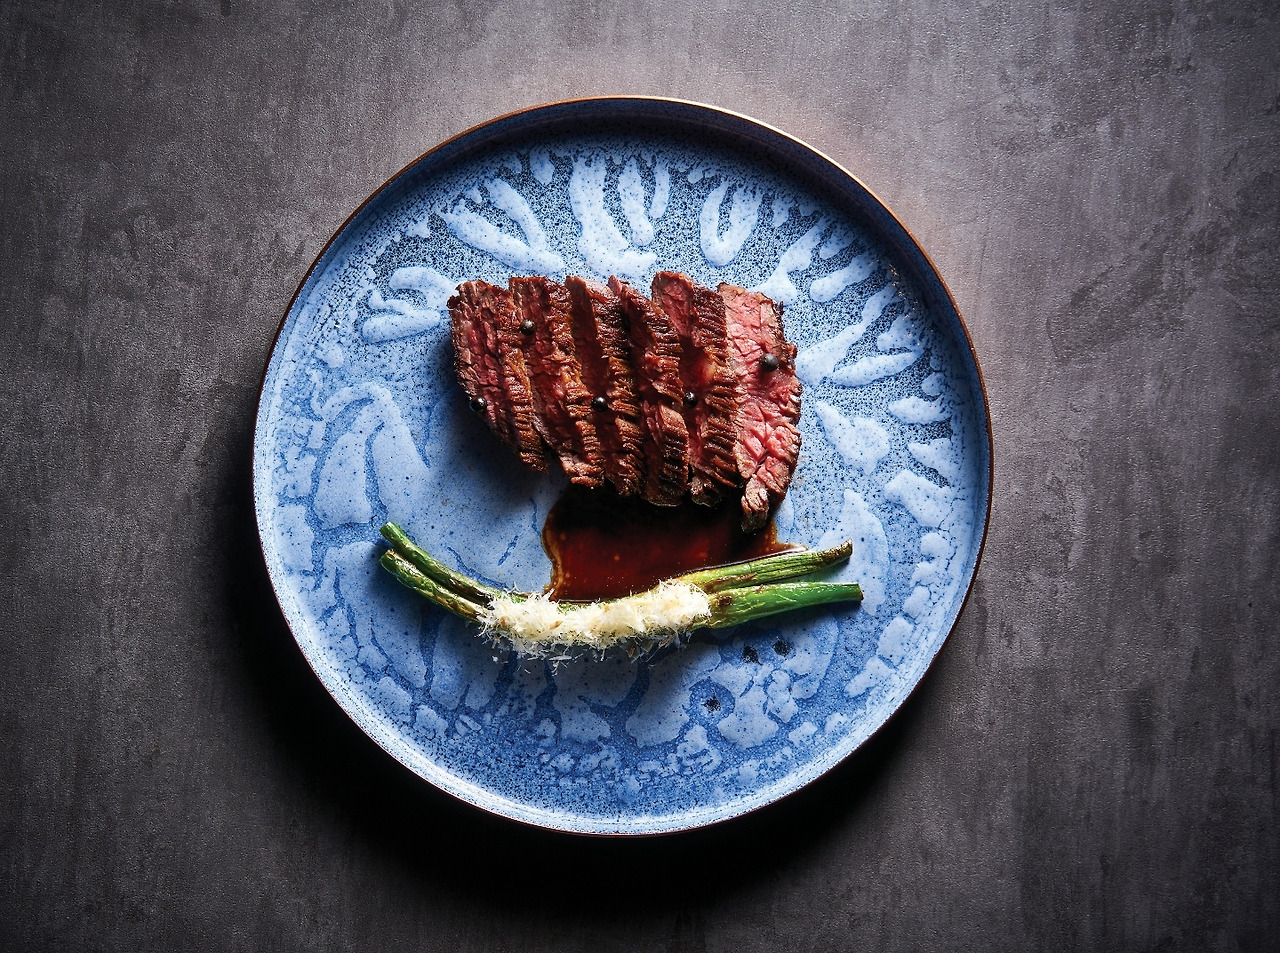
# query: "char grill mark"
[[600, 339], [768, 440], [698, 316], [561, 402], [655, 358], [489, 364]]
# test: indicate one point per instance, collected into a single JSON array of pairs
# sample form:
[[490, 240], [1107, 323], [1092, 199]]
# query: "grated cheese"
[[537, 625]]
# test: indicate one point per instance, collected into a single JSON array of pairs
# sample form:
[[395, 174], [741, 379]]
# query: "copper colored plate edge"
[[910, 236]]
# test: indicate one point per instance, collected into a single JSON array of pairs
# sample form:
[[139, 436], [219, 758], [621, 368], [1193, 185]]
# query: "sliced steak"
[[763, 361], [600, 340], [489, 363], [710, 395], [693, 393], [561, 402], [655, 358]]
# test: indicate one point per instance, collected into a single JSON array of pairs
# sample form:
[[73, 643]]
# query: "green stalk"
[[776, 566], [420, 583], [735, 606], [436, 570]]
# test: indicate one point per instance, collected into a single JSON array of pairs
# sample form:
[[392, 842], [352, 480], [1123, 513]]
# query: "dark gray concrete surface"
[[1090, 766]]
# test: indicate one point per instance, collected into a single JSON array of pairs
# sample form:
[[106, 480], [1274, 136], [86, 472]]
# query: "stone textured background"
[[1090, 766]]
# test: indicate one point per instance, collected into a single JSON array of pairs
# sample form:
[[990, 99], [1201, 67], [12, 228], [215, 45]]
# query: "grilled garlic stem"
[[709, 598]]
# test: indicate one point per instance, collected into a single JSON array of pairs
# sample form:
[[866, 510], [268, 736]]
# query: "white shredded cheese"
[[536, 624]]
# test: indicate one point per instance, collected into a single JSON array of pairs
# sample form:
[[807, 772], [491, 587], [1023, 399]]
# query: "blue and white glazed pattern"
[[361, 421]]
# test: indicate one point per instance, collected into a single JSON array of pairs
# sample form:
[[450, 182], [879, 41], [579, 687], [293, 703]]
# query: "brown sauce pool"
[[602, 546]]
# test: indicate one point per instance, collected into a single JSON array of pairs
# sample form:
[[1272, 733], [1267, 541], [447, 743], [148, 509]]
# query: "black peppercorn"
[[479, 404], [769, 362], [599, 403], [526, 326], [690, 398]]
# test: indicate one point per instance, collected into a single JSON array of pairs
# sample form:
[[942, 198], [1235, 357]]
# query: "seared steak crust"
[[768, 440], [655, 358], [600, 337], [698, 316], [561, 402]]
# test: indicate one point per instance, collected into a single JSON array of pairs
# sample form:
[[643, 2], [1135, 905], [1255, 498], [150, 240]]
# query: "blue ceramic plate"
[[361, 421]]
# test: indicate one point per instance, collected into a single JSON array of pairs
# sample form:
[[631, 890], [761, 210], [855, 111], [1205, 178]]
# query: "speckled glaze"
[[361, 421]]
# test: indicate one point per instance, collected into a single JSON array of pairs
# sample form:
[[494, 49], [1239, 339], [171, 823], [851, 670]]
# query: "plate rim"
[[463, 786]]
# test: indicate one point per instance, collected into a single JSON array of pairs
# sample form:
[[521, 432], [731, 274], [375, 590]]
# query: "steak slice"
[[710, 407], [484, 320], [655, 358], [490, 365], [561, 402], [764, 363], [600, 340]]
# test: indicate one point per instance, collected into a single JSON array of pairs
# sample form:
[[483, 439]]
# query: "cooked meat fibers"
[[691, 392], [561, 402], [491, 368], [600, 336], [655, 357], [763, 361], [711, 395]]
